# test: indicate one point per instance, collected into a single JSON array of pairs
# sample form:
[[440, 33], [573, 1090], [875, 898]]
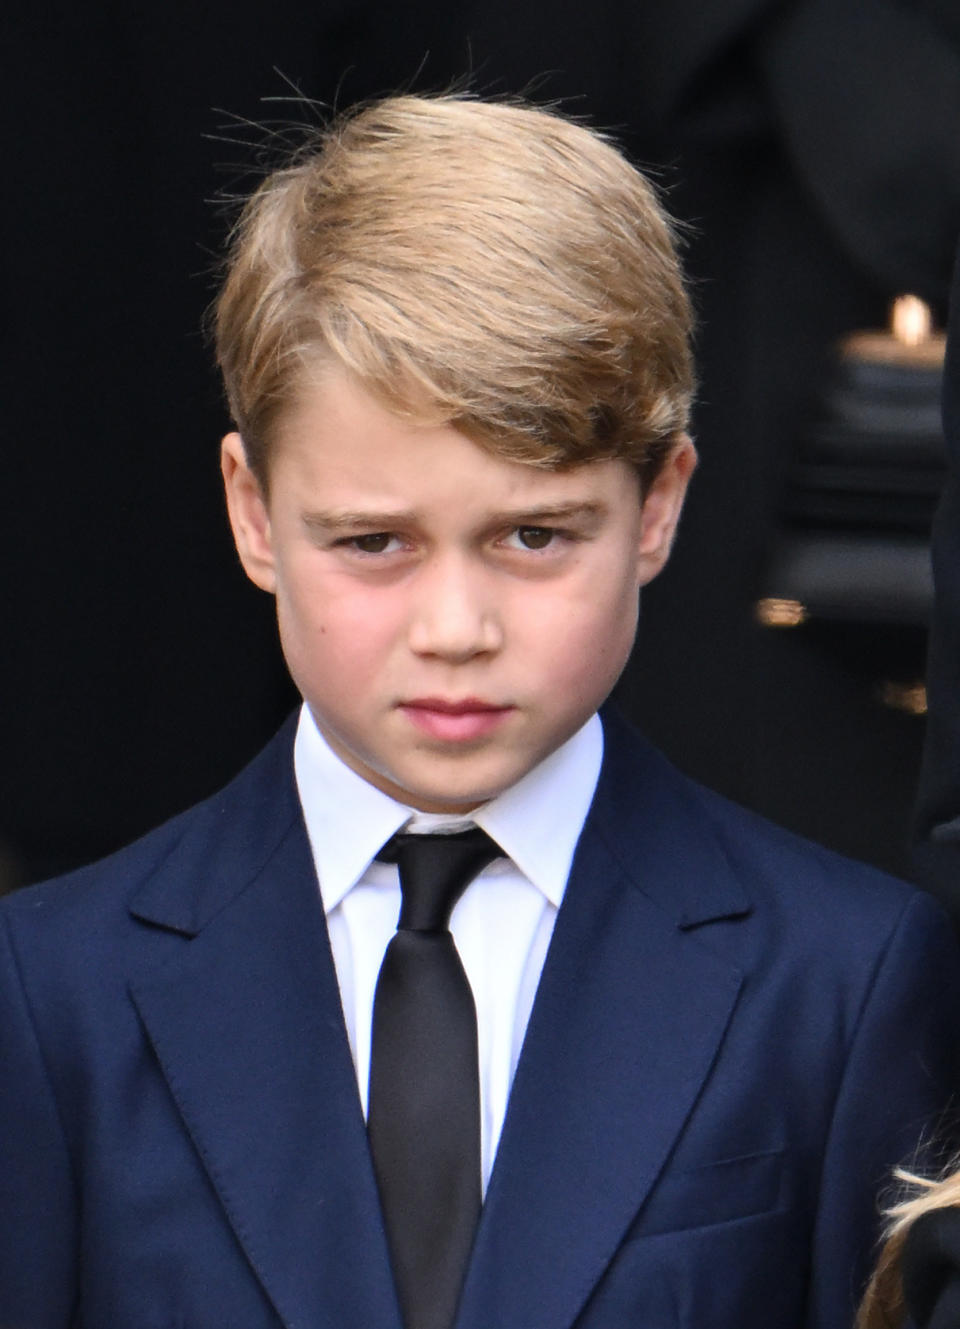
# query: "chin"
[[448, 798]]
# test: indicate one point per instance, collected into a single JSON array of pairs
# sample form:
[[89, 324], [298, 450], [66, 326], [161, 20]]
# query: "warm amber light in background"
[[911, 321], [910, 339], [908, 697], [776, 613]]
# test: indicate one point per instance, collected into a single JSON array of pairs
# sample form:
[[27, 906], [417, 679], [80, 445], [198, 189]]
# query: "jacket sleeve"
[[38, 1198], [892, 1108]]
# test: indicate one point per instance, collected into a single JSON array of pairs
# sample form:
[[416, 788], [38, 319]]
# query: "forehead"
[[338, 443]]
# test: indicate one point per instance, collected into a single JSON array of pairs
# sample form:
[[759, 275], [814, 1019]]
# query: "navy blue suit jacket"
[[735, 1036]]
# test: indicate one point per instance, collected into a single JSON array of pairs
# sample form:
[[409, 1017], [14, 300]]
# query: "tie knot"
[[434, 872]]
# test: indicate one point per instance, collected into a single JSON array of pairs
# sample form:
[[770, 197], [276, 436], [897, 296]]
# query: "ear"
[[247, 510], [662, 505]]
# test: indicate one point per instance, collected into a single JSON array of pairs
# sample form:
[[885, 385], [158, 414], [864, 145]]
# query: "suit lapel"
[[245, 1019], [248, 1030], [629, 1014]]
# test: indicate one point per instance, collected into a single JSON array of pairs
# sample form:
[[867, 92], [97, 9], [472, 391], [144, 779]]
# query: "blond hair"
[[883, 1306], [489, 265]]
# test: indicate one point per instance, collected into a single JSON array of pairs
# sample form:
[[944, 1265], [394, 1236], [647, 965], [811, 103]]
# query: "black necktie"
[[423, 1119]]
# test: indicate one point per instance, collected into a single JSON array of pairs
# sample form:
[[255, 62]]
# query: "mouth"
[[455, 721]]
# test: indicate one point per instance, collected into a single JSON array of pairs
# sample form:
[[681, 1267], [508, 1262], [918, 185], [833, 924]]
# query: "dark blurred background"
[[814, 147]]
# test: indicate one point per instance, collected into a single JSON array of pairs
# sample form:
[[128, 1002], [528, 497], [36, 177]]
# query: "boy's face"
[[450, 618]]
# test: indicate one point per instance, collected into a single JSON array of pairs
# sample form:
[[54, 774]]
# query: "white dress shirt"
[[503, 922]]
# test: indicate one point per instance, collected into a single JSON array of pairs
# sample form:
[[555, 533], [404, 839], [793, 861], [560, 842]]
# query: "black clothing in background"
[[138, 668], [931, 1270], [823, 173], [814, 147], [938, 807]]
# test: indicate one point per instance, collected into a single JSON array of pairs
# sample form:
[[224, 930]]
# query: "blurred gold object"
[[908, 697], [910, 339], [773, 612]]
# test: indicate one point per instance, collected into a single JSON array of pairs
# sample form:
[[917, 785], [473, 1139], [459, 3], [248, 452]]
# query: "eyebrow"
[[385, 519], [345, 519]]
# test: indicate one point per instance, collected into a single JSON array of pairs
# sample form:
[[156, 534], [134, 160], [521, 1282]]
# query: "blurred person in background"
[[813, 146]]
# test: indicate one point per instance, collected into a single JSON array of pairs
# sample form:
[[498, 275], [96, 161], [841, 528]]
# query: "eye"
[[377, 542], [535, 537]]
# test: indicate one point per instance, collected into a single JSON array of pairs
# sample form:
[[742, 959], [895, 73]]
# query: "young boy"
[[673, 1049]]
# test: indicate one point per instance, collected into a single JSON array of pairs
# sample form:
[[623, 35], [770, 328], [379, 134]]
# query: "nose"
[[455, 615]]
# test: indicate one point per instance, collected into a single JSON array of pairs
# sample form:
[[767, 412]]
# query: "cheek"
[[331, 632], [607, 641], [585, 641]]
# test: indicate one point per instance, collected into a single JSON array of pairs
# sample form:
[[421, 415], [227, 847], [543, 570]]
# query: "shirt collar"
[[536, 822]]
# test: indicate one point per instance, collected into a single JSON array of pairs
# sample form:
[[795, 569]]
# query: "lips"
[[455, 721]]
